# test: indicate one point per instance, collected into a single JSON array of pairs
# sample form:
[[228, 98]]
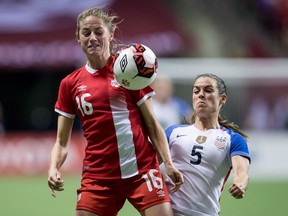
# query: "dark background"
[[38, 46]]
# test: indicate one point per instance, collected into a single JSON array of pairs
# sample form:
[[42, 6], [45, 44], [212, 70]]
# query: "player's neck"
[[206, 124], [98, 63]]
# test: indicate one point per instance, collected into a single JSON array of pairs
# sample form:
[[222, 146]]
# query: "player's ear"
[[77, 37], [223, 99], [111, 36], [78, 40]]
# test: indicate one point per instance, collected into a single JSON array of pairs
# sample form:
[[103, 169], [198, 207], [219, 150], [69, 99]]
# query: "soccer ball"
[[135, 67]]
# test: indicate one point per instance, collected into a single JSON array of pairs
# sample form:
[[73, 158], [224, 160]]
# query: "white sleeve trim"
[[68, 115], [145, 98]]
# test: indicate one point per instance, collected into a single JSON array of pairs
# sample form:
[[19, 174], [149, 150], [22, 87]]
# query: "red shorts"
[[107, 197]]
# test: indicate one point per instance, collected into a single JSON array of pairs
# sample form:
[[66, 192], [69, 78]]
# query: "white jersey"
[[204, 158]]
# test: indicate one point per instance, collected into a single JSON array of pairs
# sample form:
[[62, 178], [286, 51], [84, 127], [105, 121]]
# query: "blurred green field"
[[30, 196]]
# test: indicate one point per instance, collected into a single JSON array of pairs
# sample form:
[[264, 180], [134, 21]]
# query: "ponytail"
[[224, 123], [232, 126]]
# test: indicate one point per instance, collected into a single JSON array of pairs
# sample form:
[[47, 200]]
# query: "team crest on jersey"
[[201, 139], [115, 84], [220, 142]]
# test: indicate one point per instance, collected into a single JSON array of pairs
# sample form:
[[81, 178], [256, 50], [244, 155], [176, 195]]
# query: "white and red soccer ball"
[[135, 67]]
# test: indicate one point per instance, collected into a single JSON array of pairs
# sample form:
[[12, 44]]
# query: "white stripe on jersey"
[[126, 148]]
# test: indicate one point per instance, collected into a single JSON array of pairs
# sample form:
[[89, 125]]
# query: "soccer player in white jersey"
[[205, 151], [120, 127]]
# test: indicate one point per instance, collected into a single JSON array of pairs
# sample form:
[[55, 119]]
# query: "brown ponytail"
[[232, 126], [222, 122]]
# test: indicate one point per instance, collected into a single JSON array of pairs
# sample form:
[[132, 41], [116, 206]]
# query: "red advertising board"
[[29, 153]]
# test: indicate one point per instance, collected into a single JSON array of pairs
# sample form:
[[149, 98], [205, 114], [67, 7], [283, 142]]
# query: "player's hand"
[[237, 191], [55, 182], [175, 176], [239, 186]]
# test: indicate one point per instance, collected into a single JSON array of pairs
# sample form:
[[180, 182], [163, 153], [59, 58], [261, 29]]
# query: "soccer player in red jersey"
[[122, 133]]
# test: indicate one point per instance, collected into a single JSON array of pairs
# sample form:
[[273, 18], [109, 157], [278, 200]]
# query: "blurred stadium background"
[[245, 42]]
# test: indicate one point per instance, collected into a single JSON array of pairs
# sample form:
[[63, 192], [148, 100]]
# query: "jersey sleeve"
[[139, 96], [170, 136], [168, 132], [239, 146], [64, 104]]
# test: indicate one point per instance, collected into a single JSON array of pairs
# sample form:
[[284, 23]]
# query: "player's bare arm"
[[59, 154], [157, 135], [240, 166]]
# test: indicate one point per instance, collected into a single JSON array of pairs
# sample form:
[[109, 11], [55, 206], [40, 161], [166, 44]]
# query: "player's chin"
[[94, 51]]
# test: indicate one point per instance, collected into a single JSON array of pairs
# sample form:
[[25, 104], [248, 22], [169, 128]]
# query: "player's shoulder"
[[175, 127], [76, 72], [233, 134], [74, 75]]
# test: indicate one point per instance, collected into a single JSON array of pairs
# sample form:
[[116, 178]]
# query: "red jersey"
[[117, 139]]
